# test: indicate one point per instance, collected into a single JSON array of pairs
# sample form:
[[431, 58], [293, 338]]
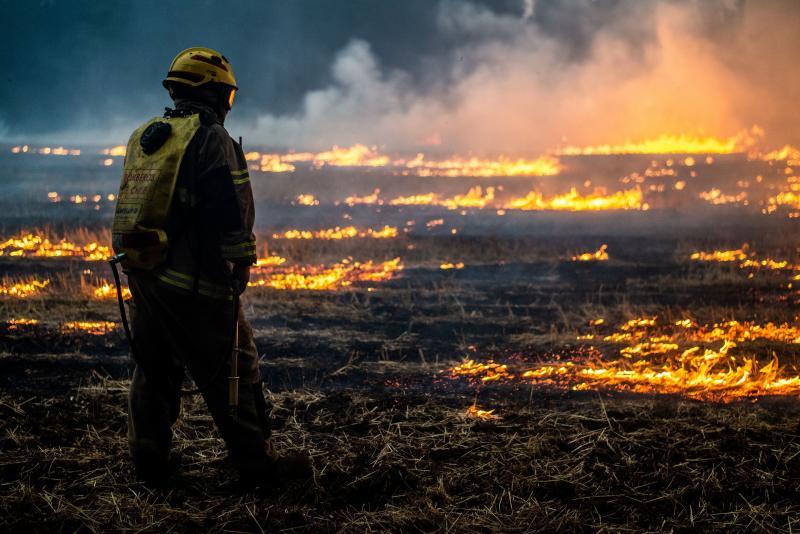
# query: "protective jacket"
[[209, 224]]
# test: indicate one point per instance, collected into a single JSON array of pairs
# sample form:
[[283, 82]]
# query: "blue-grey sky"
[[522, 75]]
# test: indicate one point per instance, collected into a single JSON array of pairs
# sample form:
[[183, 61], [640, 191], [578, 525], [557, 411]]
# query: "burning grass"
[[348, 232], [11, 288], [361, 156], [319, 278], [673, 144], [658, 359], [601, 254], [43, 244]]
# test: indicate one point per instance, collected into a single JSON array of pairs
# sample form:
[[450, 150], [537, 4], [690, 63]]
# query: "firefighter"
[[184, 221]]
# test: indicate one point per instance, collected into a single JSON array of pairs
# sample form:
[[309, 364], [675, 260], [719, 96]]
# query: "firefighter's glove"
[[241, 276]]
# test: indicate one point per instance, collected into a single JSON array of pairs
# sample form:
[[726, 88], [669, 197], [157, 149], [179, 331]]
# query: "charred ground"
[[358, 378]]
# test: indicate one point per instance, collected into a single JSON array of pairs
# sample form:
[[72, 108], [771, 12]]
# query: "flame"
[[119, 150], [46, 150], [478, 413], [672, 144], [747, 259], [93, 328], [22, 289], [16, 323], [366, 199], [486, 168], [599, 255], [307, 200], [722, 255], [630, 199], [448, 265], [654, 362], [474, 198], [362, 156], [336, 233], [787, 153], [479, 198], [322, 278], [270, 261], [36, 245], [107, 290]]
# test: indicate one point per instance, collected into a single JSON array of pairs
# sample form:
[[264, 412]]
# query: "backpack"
[[152, 161]]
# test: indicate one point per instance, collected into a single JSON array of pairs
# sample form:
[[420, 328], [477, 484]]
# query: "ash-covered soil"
[[357, 378]]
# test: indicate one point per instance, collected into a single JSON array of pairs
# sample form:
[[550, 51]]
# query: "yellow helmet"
[[198, 66]]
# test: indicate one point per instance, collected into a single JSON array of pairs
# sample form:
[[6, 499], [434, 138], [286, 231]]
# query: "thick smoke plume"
[[579, 74]]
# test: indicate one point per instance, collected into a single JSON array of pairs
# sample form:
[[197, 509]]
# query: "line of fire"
[[473, 266]]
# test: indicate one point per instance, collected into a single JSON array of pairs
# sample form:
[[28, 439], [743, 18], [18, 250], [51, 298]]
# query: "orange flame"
[[22, 289], [361, 156], [348, 232], [673, 144], [34, 245], [653, 362], [630, 199], [323, 278], [93, 328], [599, 255]]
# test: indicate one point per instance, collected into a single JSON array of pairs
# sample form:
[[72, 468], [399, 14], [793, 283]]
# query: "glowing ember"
[[22, 289], [722, 255], [93, 328], [108, 290], [367, 199], [307, 200], [448, 265], [52, 151], [474, 411], [347, 232], [17, 323], [488, 371], [322, 278], [36, 245], [270, 261], [118, 150], [599, 255], [716, 197], [630, 199]]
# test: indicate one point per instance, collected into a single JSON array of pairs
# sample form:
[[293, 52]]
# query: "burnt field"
[[459, 382], [507, 353]]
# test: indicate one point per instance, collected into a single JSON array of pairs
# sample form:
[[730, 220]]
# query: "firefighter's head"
[[202, 74]]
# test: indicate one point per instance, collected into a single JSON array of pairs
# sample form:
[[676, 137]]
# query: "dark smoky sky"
[[466, 75]]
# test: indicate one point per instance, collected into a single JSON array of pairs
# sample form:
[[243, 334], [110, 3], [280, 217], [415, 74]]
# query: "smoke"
[[575, 73]]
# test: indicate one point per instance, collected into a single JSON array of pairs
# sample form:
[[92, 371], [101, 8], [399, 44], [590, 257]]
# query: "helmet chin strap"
[[214, 97]]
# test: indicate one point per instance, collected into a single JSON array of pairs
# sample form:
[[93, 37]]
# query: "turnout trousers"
[[174, 331]]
